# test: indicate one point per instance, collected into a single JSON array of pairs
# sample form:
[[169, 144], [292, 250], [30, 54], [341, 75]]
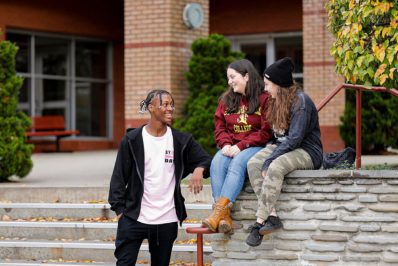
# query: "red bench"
[[52, 125]]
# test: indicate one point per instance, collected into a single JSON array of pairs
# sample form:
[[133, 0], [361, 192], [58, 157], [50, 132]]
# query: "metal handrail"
[[358, 124]]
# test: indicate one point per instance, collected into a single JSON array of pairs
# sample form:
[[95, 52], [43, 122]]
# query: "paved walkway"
[[94, 168]]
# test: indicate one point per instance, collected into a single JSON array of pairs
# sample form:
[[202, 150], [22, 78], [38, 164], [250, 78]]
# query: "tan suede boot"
[[218, 214], [225, 225]]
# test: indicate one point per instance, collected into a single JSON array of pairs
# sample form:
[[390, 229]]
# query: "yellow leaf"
[[345, 31], [380, 52], [362, 43], [390, 57], [385, 31], [383, 78], [380, 70], [391, 75]]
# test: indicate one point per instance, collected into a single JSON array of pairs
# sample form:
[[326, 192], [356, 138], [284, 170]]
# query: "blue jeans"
[[228, 174]]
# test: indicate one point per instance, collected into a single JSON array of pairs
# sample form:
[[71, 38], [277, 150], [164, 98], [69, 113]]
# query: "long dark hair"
[[254, 88], [279, 108]]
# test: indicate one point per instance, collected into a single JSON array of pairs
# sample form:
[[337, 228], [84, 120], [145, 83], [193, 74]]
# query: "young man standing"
[[145, 187]]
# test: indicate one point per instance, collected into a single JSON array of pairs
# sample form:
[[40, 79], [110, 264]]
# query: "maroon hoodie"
[[240, 128]]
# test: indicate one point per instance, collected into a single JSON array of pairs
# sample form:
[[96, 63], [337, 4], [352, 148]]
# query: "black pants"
[[131, 233]]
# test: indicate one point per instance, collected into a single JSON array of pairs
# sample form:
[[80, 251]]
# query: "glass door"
[[52, 89]]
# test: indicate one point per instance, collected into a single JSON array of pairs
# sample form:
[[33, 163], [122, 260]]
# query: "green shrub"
[[14, 152], [206, 82], [379, 121]]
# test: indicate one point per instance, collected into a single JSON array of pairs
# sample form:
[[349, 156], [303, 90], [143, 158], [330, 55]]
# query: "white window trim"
[[268, 39]]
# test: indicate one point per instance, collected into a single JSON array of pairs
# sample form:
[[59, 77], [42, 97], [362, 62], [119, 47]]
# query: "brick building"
[[94, 61]]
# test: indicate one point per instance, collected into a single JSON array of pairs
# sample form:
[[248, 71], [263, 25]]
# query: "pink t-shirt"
[[157, 206]]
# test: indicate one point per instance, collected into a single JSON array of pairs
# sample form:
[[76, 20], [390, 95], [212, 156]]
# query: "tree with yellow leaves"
[[366, 45]]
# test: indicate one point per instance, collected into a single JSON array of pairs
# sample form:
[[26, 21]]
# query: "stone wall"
[[336, 217]]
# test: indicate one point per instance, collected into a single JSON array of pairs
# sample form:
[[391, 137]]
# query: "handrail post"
[[358, 129], [199, 245]]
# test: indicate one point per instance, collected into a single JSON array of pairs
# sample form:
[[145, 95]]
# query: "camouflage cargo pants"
[[268, 188]]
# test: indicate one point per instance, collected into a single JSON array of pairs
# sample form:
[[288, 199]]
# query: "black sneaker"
[[271, 224], [254, 238]]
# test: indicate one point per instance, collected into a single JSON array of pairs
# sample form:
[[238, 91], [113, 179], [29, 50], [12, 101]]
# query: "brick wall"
[[157, 50], [319, 75], [331, 217]]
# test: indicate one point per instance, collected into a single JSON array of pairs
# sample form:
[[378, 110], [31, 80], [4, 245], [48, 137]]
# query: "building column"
[[157, 50], [320, 77]]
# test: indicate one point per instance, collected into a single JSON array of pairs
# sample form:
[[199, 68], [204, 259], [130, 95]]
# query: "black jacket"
[[304, 132], [127, 182]]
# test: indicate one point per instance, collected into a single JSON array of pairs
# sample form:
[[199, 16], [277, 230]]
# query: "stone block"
[[289, 246], [324, 189], [332, 247], [364, 248], [345, 182], [384, 207], [317, 207], [375, 239], [350, 208], [389, 198], [265, 245], [367, 198], [392, 182], [322, 216], [330, 238], [352, 189], [368, 218], [295, 216], [276, 256], [219, 246], [323, 182], [339, 228], [318, 257], [310, 197], [218, 254], [383, 190], [291, 181], [239, 236], [368, 181], [339, 197], [244, 215], [285, 207], [361, 258], [250, 255], [389, 228], [290, 236], [300, 227], [394, 249], [284, 197], [237, 245], [369, 228], [219, 237], [390, 257], [295, 189]]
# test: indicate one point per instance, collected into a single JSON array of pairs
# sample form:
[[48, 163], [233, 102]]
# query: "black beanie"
[[280, 72]]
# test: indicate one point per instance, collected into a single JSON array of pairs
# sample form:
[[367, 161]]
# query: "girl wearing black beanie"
[[297, 145]]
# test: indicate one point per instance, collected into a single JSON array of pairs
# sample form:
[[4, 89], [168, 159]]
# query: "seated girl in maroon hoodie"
[[240, 132]]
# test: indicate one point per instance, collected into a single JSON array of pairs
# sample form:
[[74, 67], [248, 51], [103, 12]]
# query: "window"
[[262, 50], [66, 76]]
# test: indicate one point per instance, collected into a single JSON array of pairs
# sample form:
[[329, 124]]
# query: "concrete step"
[[29, 193], [84, 250], [79, 210], [53, 263], [12, 230]]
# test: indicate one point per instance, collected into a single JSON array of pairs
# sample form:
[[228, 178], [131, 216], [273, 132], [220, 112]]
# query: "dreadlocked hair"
[[279, 108], [152, 94]]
